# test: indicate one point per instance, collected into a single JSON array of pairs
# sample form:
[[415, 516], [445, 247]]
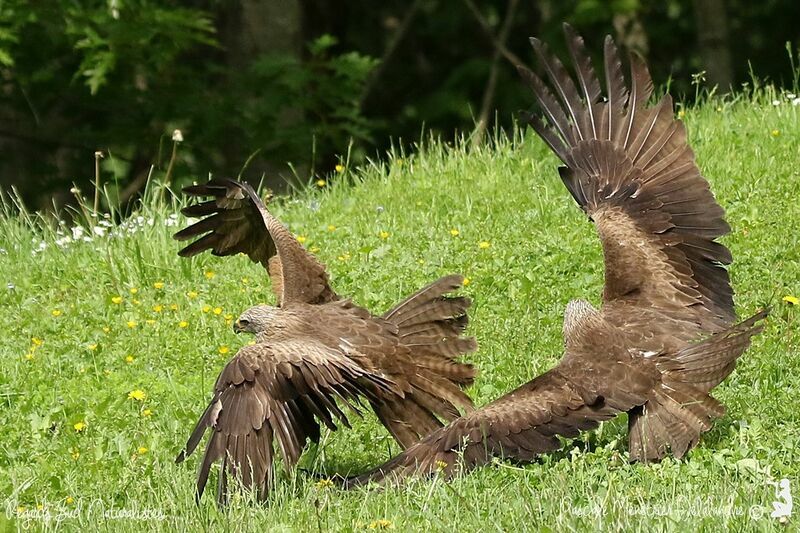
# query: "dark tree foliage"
[[331, 80]]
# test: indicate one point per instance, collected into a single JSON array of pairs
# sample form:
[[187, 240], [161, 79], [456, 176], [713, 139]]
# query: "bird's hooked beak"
[[237, 327]]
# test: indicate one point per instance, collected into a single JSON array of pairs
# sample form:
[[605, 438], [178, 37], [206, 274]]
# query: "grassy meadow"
[[111, 344]]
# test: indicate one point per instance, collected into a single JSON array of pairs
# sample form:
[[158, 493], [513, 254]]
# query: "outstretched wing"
[[520, 425], [236, 221], [630, 168], [278, 391]]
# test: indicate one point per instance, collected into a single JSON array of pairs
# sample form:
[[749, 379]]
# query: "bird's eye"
[[244, 322]]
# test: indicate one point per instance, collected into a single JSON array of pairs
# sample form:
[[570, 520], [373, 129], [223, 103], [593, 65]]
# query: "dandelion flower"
[[301, 239], [134, 290], [217, 310], [75, 453], [210, 274], [223, 350], [323, 483], [339, 169], [69, 500], [314, 249], [56, 312], [245, 281], [466, 282], [183, 324], [681, 113], [775, 133], [381, 524], [384, 235], [484, 245], [138, 395], [158, 308], [791, 300], [29, 356], [331, 227], [206, 309], [454, 232], [92, 347], [141, 450], [129, 359], [147, 413], [421, 261], [132, 324], [228, 317], [116, 300], [79, 426], [106, 329], [37, 341], [158, 285], [321, 183]]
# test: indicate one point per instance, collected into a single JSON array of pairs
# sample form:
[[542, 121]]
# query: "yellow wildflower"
[[791, 300], [75, 453], [132, 324], [29, 356], [245, 281], [158, 285], [192, 294], [331, 227], [183, 324], [79, 426], [134, 290], [339, 168], [217, 310], [399, 162], [383, 235], [141, 450], [381, 524], [129, 359], [484, 245], [158, 308], [775, 133], [466, 282], [92, 347], [321, 183], [314, 249], [223, 350], [146, 413], [323, 483], [173, 307], [116, 299], [136, 302], [56, 312], [206, 309], [421, 261], [301, 239], [69, 500], [138, 395], [106, 329], [149, 321], [681, 113], [210, 274], [454, 232], [20, 509], [36, 341], [228, 317]]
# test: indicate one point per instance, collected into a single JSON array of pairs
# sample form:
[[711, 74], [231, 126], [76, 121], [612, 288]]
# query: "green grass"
[[543, 253]]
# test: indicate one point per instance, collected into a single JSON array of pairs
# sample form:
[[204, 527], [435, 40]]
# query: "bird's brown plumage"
[[318, 355], [664, 335]]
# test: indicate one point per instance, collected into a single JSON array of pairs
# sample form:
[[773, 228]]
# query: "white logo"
[[782, 507]]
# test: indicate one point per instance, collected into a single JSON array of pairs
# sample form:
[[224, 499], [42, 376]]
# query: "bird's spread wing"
[[630, 168], [279, 391], [595, 381], [234, 221]]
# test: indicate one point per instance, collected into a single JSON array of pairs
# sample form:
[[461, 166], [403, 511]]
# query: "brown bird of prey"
[[664, 336], [316, 354]]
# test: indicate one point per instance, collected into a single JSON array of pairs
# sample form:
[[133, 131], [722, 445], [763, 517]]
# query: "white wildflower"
[[99, 231], [776, 102], [796, 101], [77, 232], [177, 136]]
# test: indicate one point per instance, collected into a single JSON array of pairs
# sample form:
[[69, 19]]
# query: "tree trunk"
[[712, 37]]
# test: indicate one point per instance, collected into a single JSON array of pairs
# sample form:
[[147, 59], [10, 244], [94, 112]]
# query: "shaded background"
[[285, 90]]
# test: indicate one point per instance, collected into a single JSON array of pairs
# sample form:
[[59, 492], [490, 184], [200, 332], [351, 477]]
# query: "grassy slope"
[[543, 252]]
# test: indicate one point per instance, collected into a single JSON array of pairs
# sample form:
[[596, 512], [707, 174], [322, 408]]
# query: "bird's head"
[[256, 320]]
